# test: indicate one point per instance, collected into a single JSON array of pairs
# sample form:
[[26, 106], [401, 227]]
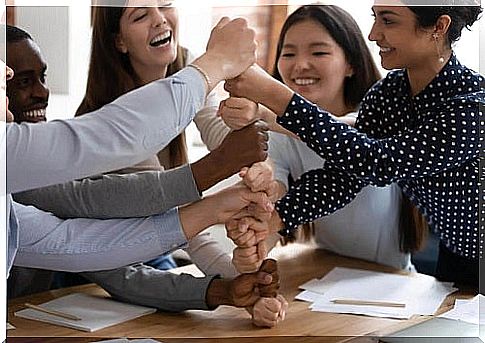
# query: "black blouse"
[[428, 144]]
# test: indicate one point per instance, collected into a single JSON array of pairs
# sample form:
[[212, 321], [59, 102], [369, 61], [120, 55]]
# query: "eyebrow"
[[29, 71], [385, 12], [131, 10], [316, 44]]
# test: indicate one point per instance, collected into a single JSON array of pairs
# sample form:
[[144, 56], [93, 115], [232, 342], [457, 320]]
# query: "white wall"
[[63, 34]]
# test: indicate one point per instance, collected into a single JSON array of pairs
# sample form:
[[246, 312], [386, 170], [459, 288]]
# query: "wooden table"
[[297, 263]]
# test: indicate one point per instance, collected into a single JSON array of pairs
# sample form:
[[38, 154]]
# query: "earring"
[[441, 59]]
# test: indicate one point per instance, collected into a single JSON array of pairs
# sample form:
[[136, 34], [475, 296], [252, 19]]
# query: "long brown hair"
[[413, 227], [112, 75]]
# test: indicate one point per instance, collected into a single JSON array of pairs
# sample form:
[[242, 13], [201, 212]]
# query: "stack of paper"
[[94, 312], [470, 311], [416, 293]]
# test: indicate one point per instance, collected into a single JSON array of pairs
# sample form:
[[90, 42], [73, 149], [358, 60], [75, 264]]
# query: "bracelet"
[[203, 73]]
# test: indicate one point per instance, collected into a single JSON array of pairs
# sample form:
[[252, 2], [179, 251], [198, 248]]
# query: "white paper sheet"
[[470, 311], [422, 294], [308, 296], [95, 312]]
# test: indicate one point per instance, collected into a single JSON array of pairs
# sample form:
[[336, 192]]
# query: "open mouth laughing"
[[161, 40]]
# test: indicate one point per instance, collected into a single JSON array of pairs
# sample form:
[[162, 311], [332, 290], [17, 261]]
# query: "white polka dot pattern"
[[429, 144]]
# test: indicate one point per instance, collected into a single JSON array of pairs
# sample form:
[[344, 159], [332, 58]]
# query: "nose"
[[374, 34], [40, 91], [8, 73], [159, 17], [301, 63]]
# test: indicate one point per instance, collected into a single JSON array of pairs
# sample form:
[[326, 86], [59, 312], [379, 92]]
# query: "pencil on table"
[[367, 303], [52, 312]]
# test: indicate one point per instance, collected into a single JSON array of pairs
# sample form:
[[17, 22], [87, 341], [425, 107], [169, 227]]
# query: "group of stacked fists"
[[250, 227]]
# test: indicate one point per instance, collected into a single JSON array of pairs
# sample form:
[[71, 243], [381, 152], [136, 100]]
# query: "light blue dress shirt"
[[125, 132]]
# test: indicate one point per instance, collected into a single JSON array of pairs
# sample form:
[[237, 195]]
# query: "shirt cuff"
[[290, 226], [295, 114], [171, 234], [193, 77]]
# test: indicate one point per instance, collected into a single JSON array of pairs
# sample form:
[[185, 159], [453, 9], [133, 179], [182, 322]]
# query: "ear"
[[442, 25], [120, 44], [349, 71]]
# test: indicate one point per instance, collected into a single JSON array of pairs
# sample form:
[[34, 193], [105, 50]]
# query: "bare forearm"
[[197, 216], [276, 97], [208, 171], [218, 293]]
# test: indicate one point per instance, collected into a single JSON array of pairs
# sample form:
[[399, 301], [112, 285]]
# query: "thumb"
[[243, 172], [219, 109], [261, 199], [222, 22], [264, 278]]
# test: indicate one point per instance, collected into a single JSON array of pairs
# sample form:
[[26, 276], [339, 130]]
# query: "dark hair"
[[461, 16], [14, 34], [112, 75], [345, 31], [347, 34]]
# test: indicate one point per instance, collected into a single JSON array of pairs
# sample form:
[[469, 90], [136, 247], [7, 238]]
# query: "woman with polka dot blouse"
[[419, 127]]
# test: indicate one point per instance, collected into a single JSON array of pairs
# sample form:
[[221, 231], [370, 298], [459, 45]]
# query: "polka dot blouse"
[[428, 144]]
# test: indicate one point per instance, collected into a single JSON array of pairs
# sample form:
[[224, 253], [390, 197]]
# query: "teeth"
[[305, 82], [161, 37], [385, 49], [35, 113]]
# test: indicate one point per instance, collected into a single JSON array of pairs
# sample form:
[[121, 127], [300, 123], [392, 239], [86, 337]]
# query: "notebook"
[[96, 312]]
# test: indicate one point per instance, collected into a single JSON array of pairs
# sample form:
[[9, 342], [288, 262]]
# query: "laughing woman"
[[418, 127], [132, 46]]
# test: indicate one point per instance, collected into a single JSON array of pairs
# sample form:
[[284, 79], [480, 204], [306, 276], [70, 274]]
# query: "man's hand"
[[232, 200], [220, 207], [242, 291], [242, 148]]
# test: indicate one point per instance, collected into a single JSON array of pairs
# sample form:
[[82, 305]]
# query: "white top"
[[367, 228]]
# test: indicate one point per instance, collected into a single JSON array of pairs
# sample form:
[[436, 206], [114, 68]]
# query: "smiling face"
[[149, 36], [314, 65], [27, 90], [402, 44]]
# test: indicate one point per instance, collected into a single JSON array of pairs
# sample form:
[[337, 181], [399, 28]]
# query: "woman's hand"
[[232, 46], [259, 178], [258, 86], [268, 312], [238, 112]]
